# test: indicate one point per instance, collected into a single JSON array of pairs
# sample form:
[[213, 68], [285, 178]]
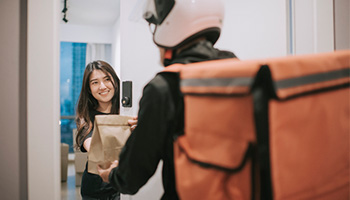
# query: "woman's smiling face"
[[101, 87]]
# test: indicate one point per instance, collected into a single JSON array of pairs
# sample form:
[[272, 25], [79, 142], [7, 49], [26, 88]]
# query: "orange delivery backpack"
[[274, 128]]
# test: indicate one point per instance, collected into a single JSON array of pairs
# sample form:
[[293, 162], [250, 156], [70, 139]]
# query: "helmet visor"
[[149, 12], [156, 11]]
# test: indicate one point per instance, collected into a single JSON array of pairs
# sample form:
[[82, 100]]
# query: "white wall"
[[87, 34], [116, 47], [255, 29]]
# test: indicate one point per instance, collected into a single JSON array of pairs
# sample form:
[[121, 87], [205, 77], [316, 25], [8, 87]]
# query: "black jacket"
[[152, 140]]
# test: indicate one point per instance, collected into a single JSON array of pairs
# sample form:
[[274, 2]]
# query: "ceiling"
[[91, 12]]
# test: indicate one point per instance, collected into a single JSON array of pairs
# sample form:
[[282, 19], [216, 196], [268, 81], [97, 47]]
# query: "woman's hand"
[[104, 173], [133, 123]]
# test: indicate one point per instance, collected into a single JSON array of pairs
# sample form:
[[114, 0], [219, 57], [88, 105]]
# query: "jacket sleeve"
[[142, 152]]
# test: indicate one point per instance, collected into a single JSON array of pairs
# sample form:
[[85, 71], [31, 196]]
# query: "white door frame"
[[43, 107]]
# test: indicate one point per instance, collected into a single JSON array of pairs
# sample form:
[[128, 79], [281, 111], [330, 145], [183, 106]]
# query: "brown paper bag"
[[108, 138]]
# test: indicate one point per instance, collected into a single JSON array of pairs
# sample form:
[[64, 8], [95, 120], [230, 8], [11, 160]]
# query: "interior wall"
[[255, 29], [86, 34], [13, 164], [116, 47]]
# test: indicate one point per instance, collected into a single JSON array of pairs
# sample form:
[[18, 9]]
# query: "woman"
[[99, 96]]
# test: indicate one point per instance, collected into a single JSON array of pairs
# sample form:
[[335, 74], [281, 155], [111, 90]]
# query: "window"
[[72, 65]]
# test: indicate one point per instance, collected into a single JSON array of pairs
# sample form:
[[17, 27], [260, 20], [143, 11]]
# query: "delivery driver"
[[185, 32]]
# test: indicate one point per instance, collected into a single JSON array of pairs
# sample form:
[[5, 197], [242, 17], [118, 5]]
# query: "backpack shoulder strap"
[[172, 77]]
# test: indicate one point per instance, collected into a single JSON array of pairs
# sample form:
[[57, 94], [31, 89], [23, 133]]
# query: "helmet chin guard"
[[180, 21]]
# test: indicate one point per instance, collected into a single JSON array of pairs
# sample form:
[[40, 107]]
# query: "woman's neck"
[[105, 107]]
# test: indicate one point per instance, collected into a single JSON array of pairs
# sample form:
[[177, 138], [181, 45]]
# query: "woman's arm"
[[87, 143]]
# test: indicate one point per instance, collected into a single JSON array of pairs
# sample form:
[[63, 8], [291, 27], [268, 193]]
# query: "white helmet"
[[178, 21]]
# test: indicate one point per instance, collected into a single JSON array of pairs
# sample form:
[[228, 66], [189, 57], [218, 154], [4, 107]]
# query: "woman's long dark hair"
[[87, 102]]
